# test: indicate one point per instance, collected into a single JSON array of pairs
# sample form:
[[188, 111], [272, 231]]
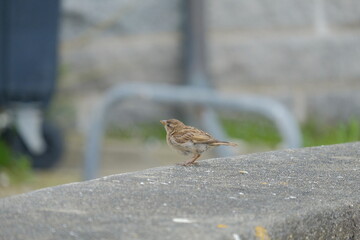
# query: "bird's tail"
[[220, 143]]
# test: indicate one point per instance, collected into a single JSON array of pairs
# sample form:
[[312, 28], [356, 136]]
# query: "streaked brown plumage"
[[189, 140]]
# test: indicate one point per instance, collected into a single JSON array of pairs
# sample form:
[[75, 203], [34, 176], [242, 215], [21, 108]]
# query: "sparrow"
[[189, 140]]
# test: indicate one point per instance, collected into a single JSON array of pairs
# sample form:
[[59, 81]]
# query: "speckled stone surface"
[[303, 193]]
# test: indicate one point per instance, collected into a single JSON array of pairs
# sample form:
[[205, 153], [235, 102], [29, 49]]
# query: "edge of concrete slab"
[[311, 193]]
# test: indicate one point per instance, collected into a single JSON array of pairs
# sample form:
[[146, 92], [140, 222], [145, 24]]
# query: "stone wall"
[[304, 53]]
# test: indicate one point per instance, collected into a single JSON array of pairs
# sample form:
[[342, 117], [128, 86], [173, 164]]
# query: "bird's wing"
[[202, 138], [193, 134]]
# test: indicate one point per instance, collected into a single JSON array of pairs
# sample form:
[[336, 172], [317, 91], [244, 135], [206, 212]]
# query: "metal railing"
[[197, 96]]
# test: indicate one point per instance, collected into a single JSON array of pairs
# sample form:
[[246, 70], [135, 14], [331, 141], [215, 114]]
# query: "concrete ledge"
[[311, 193]]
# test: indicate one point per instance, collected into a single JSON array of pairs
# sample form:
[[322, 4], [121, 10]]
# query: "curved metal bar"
[[185, 95]]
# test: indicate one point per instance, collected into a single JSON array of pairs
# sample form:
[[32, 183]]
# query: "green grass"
[[258, 130], [14, 166], [254, 130], [262, 131], [143, 131], [315, 135]]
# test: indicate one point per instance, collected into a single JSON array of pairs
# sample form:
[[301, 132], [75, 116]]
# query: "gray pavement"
[[311, 193]]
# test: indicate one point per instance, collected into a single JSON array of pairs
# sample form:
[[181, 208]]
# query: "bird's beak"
[[163, 122]]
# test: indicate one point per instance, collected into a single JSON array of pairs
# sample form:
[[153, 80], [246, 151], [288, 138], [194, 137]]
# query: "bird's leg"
[[190, 162]]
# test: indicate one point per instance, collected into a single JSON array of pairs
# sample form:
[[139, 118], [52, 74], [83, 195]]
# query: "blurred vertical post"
[[196, 71]]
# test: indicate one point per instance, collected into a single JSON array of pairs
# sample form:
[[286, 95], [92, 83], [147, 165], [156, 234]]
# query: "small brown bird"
[[189, 140]]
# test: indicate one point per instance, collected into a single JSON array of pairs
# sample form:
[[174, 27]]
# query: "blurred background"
[[304, 54]]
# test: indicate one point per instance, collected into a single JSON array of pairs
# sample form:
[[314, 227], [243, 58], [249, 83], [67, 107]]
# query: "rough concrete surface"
[[309, 193]]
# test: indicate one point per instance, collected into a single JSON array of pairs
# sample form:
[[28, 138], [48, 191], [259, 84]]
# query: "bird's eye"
[[168, 124]]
